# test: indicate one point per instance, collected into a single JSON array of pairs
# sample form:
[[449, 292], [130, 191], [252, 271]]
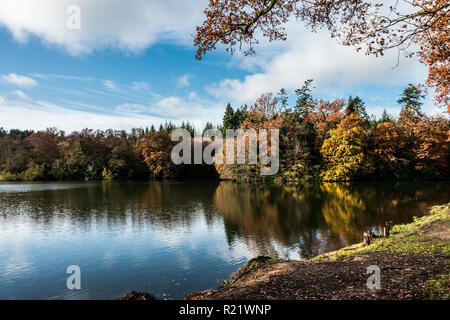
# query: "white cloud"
[[131, 108], [184, 81], [313, 55], [110, 85], [39, 115], [140, 85], [176, 108], [21, 81], [21, 95], [127, 25]]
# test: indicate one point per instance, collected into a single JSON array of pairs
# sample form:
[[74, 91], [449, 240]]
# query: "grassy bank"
[[427, 235], [414, 262]]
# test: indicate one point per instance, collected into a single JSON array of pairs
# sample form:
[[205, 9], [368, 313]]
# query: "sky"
[[126, 64]]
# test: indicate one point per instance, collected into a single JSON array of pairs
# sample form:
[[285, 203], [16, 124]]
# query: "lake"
[[174, 238]]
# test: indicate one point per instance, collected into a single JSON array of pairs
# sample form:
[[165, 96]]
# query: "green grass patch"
[[437, 288], [405, 238]]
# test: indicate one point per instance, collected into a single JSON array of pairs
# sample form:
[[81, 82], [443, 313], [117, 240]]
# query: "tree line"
[[319, 140]]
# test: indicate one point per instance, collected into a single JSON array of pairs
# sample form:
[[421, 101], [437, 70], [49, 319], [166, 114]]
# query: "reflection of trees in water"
[[316, 219], [310, 220], [112, 205], [262, 217]]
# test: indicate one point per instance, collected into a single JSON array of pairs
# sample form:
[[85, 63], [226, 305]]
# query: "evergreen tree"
[[357, 106], [152, 129], [233, 119], [386, 117], [228, 118], [187, 126], [208, 126], [411, 97], [282, 99], [411, 101], [304, 99]]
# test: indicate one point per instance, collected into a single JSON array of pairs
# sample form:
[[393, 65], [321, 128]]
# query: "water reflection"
[[174, 238], [319, 218]]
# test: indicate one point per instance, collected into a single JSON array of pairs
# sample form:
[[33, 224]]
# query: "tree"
[[392, 149], [282, 98], [228, 118], [188, 127], [386, 117], [431, 147], [303, 105], [325, 116], [411, 100], [344, 151], [233, 119], [155, 149], [435, 49], [362, 24], [208, 126], [357, 106], [411, 97]]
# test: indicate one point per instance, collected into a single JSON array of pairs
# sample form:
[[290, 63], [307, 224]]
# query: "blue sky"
[[133, 65]]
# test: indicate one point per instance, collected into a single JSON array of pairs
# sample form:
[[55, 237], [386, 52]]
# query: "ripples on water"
[[174, 238]]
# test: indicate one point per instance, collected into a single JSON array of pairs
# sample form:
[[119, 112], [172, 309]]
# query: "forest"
[[319, 141]]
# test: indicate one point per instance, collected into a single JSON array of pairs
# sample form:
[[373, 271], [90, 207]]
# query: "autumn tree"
[[431, 147], [392, 149], [325, 116], [44, 146], [155, 149], [344, 152], [369, 25]]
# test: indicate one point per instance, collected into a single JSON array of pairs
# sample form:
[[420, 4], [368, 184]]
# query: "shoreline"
[[414, 263]]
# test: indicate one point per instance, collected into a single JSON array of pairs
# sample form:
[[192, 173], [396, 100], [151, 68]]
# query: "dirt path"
[[402, 277]]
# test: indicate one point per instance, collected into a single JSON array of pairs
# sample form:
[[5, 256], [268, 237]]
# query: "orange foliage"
[[326, 116], [363, 24], [155, 149]]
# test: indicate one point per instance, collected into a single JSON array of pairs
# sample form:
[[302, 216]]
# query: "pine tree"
[[386, 117], [282, 99], [357, 106], [228, 118], [411, 100], [304, 99], [208, 126]]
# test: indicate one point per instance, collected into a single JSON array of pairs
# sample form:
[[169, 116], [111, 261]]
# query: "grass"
[[405, 238], [437, 288]]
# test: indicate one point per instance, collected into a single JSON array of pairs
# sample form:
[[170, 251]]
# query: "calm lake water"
[[174, 238]]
